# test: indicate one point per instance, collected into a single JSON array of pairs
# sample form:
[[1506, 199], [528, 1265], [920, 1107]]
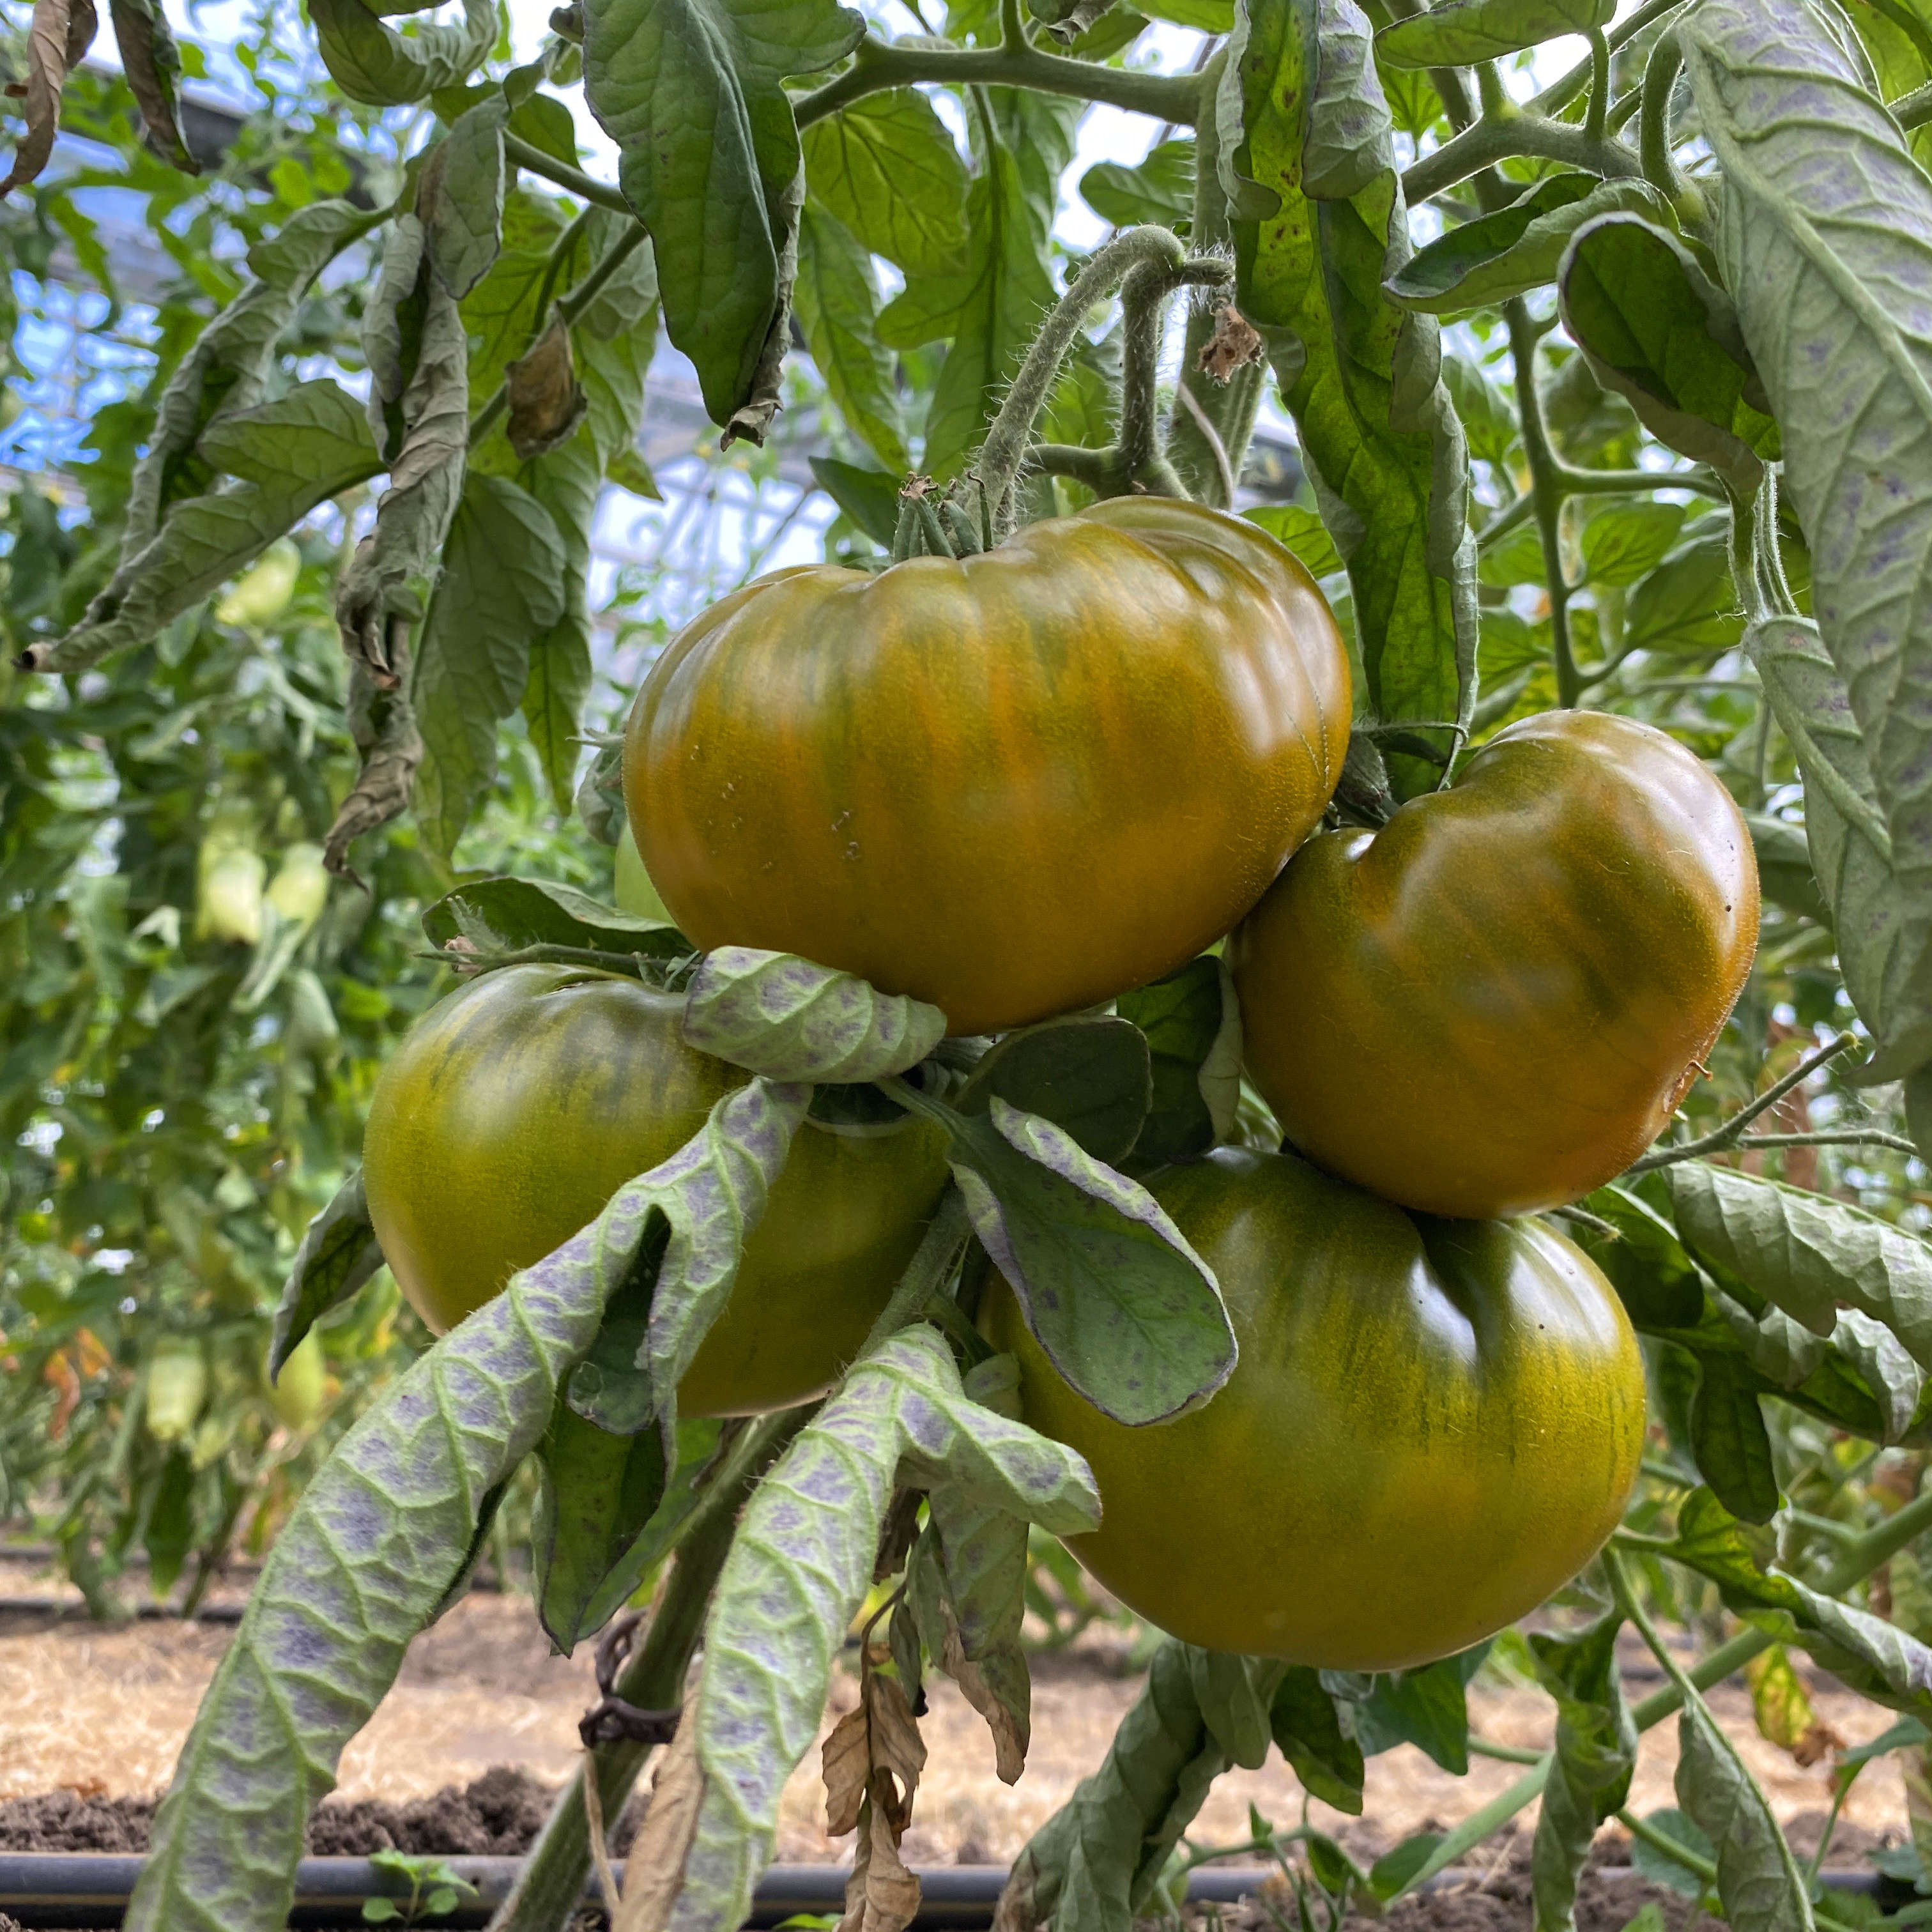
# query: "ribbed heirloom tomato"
[[1011, 785], [1432, 1425], [1494, 1003], [514, 1110]]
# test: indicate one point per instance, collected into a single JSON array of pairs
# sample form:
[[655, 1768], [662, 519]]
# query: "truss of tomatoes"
[[1023, 783]]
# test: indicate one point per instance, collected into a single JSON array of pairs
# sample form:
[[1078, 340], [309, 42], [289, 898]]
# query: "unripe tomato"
[[177, 1387], [1011, 785], [1431, 1426], [299, 890], [512, 1111], [299, 1392], [228, 897], [633, 890], [1494, 1003], [261, 593]]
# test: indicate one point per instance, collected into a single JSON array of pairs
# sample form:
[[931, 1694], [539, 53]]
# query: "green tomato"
[[1432, 1424], [512, 1111], [635, 893]]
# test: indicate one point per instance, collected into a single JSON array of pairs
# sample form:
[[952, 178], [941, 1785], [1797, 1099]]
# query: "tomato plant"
[[1624, 466]]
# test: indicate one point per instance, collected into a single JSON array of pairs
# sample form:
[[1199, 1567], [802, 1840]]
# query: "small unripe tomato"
[[1432, 1425], [1011, 786], [1494, 1003], [299, 1393], [510, 1113]]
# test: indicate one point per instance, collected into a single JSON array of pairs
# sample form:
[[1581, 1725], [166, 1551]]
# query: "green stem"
[[937, 1253], [1520, 133], [550, 1885], [1504, 1754], [1876, 1547], [585, 187], [1172, 98], [1004, 451], [1490, 91], [1596, 124], [1914, 109], [1560, 91], [1722, 1139], [573, 305], [1578, 482], [1642, 1829], [1832, 1137], [553, 268], [1546, 491], [1660, 165]]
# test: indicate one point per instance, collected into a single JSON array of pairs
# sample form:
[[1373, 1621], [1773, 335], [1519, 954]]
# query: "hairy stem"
[[1660, 165], [550, 1885], [585, 187], [1560, 91], [1490, 141], [1721, 1139]]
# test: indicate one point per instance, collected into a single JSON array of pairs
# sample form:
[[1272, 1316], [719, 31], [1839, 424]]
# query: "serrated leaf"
[[1658, 330], [1159, 188], [503, 567], [1624, 542], [1687, 604], [1427, 1707], [379, 1537], [1882, 921], [1513, 250], [1193, 1031], [799, 1567], [1807, 1253], [887, 169], [1825, 245], [1459, 33], [779, 1015], [836, 297], [339, 1252], [1088, 1073], [1307, 158], [509, 913], [1234, 1695], [1729, 1441], [1125, 1310], [1647, 1263], [1301, 531], [373, 63], [691, 92]]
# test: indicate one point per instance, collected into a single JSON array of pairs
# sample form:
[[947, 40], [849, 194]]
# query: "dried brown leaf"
[[881, 1895], [1235, 343], [897, 1750], [845, 1761], [384, 727], [547, 401], [60, 33], [654, 1872], [151, 63], [1012, 1734]]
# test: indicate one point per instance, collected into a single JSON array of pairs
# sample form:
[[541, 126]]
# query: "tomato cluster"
[[1024, 783]]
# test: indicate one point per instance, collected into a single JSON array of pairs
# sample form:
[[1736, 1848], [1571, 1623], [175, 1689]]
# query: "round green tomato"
[[513, 1111], [300, 1393], [635, 892], [1431, 1426], [1494, 1003], [1011, 786]]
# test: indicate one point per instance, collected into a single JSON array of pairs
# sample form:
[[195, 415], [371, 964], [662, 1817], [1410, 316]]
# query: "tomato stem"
[[1731, 1133]]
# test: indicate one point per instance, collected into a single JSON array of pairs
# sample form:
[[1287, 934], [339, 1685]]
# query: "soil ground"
[[91, 1716]]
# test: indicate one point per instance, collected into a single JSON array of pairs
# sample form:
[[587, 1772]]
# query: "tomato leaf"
[[1784, 870], [1308, 1731], [596, 1492], [692, 90], [382, 1531], [460, 196], [502, 913], [1624, 542], [870, 497], [568, 483], [339, 1253], [1828, 305], [807, 1540], [1301, 531], [1659, 331], [1125, 1310], [780, 1016], [1807, 1253], [1659, 1867], [1159, 188], [1728, 1442], [887, 169], [1596, 1754], [1459, 33], [1193, 1030], [1320, 225], [837, 300], [1655, 1278], [1097, 1860], [1883, 920], [503, 568], [1086, 1073], [371, 62], [1234, 1695], [1513, 250], [1687, 604], [1427, 1707], [290, 454]]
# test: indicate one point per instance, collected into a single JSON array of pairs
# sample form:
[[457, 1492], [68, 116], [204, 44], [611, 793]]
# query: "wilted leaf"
[[459, 196], [1459, 33], [371, 62], [152, 65], [58, 34], [339, 1252], [547, 402]]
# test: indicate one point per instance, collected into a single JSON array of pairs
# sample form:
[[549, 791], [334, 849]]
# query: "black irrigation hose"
[[46, 1891]]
